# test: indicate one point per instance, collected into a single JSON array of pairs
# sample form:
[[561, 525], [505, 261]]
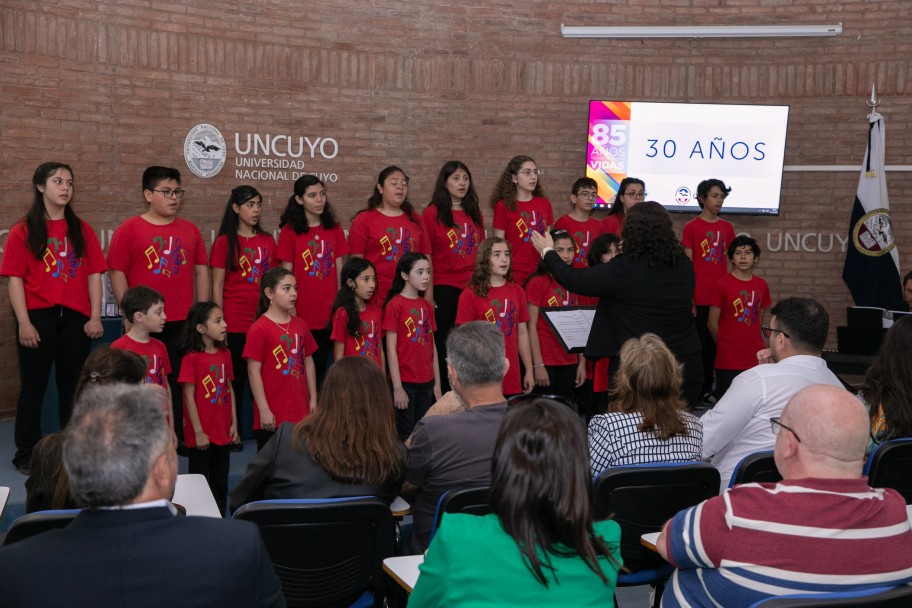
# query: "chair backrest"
[[326, 552], [641, 498], [759, 467], [38, 522], [473, 501], [889, 466], [880, 597]]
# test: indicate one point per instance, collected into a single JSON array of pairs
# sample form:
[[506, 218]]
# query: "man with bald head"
[[821, 529]]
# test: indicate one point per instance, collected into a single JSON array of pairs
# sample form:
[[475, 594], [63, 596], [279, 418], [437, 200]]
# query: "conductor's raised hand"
[[542, 241]]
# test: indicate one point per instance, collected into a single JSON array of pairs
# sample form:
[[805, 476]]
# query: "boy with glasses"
[[162, 251], [579, 222]]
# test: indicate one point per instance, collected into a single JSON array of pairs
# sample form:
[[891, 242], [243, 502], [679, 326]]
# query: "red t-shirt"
[[59, 277], [709, 242], [505, 306], [613, 224], [211, 376], [282, 354], [161, 257], [543, 291], [535, 214], [155, 354], [453, 248], [412, 320], [313, 256], [367, 344], [583, 234], [241, 293], [382, 240], [739, 336]]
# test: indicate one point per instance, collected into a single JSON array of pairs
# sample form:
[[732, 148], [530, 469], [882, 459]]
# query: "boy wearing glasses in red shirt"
[[579, 222], [162, 251]]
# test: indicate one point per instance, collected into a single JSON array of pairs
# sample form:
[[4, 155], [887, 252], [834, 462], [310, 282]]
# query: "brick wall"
[[114, 87]]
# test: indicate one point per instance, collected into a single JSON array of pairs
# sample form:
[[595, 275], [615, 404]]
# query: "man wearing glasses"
[[821, 529], [739, 424]]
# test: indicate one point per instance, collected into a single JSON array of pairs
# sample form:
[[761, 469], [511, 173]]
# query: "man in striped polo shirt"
[[821, 529]]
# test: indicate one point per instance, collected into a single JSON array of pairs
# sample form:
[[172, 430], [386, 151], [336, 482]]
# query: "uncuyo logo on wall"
[[204, 150]]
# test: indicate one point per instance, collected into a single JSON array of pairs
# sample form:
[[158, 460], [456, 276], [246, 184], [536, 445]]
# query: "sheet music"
[[571, 325]]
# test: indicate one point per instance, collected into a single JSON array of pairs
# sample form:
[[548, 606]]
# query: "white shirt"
[[739, 423]]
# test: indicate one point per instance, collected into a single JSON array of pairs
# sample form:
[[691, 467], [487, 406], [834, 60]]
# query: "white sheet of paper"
[[572, 325]]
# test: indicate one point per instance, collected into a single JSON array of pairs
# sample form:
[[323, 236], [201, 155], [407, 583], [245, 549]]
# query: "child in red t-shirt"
[[556, 371], [520, 207], [579, 223], [210, 422], [408, 323], [740, 301], [164, 252], [356, 320], [279, 354], [144, 309], [492, 296], [54, 265], [706, 239], [312, 244], [241, 253]]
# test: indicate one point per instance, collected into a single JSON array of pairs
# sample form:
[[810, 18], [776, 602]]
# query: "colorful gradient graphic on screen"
[[607, 154]]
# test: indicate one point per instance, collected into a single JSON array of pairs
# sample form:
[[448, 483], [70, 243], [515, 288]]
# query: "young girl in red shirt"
[[356, 320]]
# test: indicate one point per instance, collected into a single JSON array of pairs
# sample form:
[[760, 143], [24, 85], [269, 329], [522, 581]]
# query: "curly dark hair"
[[649, 236], [505, 190]]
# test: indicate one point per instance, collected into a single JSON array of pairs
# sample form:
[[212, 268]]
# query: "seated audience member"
[[821, 529], [647, 419], [904, 305], [737, 425], [128, 547], [48, 486], [539, 546], [347, 447], [454, 451], [887, 389]]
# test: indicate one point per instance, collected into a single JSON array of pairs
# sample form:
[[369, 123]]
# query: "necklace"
[[279, 325]]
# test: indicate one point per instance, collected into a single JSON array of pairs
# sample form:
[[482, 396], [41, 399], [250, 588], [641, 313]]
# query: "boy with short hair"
[[164, 252], [579, 222], [144, 308], [739, 303], [706, 240]]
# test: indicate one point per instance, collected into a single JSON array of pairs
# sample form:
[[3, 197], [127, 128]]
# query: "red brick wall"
[[114, 87]]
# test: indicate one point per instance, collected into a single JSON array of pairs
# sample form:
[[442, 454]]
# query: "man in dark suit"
[[127, 547]]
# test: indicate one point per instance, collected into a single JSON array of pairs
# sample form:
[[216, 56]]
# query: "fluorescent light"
[[701, 31]]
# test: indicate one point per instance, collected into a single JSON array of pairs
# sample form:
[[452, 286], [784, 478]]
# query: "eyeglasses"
[[169, 193], [588, 195], [775, 424], [636, 193], [768, 331], [530, 172]]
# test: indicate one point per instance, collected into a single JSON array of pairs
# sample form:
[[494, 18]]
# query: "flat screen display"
[[672, 147]]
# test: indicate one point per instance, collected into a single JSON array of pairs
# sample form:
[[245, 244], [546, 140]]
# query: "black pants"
[[236, 343], [213, 463], [171, 336], [709, 348], [262, 437], [446, 299], [63, 344], [562, 380], [724, 379], [420, 400], [322, 355]]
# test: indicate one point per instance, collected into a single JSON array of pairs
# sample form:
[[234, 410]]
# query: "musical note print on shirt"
[[503, 315], [418, 325], [528, 222], [318, 258], [253, 263], [747, 307], [463, 239], [58, 257], [713, 247], [166, 257], [367, 342], [396, 243], [218, 389]]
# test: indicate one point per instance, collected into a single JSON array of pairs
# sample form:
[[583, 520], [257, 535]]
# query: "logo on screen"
[[682, 195], [204, 151]]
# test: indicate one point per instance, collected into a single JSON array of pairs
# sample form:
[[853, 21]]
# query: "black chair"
[[326, 552], [759, 467], [889, 466], [880, 597], [641, 498], [473, 501], [38, 522]]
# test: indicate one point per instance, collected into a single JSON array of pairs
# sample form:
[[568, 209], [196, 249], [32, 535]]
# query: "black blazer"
[[138, 558], [634, 299], [281, 471]]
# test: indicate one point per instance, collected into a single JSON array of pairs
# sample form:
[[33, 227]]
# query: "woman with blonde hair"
[[647, 421], [347, 447]]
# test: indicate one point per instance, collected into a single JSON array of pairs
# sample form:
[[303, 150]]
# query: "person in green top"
[[540, 545]]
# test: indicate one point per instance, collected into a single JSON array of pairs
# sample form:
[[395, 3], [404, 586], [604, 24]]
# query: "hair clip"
[[94, 376]]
